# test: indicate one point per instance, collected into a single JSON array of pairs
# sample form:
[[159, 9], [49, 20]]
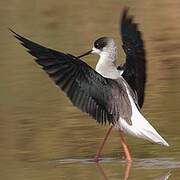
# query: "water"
[[42, 136]]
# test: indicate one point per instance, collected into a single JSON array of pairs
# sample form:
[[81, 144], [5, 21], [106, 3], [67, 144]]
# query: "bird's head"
[[102, 46]]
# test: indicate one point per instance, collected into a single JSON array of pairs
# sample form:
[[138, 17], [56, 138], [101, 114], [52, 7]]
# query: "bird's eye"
[[96, 45], [100, 43]]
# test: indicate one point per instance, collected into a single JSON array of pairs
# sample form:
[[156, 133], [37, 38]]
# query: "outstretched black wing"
[[86, 89], [134, 69]]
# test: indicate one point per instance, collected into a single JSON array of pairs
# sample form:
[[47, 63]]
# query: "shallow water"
[[42, 136]]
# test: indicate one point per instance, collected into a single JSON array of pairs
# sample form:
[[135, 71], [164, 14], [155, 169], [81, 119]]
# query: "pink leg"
[[125, 147], [96, 158]]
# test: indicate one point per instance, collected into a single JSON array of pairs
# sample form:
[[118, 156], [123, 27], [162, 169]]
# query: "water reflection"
[[109, 168], [126, 172], [164, 177]]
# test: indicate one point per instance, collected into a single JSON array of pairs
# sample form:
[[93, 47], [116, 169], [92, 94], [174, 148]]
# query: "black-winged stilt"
[[109, 94]]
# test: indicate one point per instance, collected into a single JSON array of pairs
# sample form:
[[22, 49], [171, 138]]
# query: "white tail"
[[140, 126], [143, 129]]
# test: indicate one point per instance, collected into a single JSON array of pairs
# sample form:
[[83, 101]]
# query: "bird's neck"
[[106, 65]]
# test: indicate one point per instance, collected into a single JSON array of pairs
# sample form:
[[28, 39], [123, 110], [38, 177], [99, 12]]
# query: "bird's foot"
[[96, 159]]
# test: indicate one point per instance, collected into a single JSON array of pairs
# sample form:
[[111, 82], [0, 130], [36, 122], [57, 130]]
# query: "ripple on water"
[[149, 163]]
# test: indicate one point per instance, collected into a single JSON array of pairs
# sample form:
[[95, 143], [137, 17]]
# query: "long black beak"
[[85, 54]]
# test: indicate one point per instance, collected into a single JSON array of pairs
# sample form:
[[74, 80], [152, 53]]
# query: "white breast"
[[106, 66]]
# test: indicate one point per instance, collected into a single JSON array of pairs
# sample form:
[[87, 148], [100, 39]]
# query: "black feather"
[[135, 65], [84, 86]]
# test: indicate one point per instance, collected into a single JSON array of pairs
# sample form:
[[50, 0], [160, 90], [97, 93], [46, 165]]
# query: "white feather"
[[140, 127]]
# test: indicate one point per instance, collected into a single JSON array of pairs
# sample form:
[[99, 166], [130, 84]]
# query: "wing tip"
[[126, 17], [125, 11], [124, 14], [13, 32], [16, 35]]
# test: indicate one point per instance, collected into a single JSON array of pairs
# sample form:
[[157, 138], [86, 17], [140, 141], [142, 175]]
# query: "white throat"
[[106, 65]]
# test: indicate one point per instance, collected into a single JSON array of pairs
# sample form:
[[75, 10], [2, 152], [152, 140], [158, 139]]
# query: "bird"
[[110, 94]]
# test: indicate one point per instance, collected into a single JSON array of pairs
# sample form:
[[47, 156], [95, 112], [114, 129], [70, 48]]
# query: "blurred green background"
[[42, 136]]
